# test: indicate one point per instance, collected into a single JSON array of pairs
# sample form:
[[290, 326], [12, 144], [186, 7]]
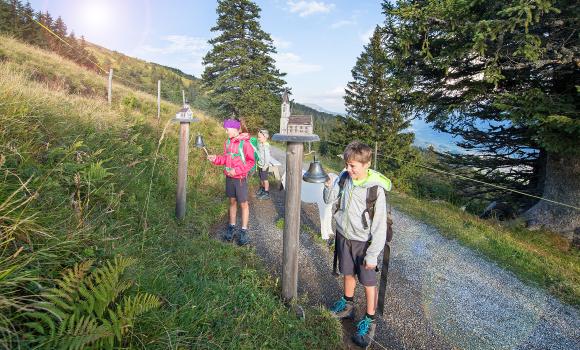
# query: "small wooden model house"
[[300, 125], [184, 114]]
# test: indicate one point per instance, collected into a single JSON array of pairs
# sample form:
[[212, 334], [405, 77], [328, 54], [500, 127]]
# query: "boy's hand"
[[330, 179], [369, 266], [232, 173], [211, 157]]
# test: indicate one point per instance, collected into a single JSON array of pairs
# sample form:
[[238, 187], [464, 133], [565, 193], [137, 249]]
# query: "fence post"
[[110, 94], [183, 95], [158, 100], [376, 151]]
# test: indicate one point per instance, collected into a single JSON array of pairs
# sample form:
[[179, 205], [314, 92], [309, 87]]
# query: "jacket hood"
[[376, 178]]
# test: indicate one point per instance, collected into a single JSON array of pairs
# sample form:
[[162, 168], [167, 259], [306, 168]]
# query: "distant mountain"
[[321, 109]]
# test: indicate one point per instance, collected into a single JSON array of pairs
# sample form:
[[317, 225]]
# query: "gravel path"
[[440, 295]]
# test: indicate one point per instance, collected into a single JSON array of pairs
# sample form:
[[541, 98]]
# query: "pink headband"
[[232, 124]]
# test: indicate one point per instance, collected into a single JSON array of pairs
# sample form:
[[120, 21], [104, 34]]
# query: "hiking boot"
[[343, 309], [365, 332], [264, 195], [259, 192], [243, 239], [229, 235]]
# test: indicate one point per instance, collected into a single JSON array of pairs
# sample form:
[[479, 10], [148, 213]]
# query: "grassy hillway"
[[83, 182]]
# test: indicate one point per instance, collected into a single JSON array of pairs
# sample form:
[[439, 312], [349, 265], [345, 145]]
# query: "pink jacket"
[[232, 160]]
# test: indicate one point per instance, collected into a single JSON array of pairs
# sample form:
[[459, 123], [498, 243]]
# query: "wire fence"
[[141, 87], [468, 178]]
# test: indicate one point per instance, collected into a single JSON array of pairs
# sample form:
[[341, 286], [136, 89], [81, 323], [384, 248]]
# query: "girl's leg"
[[233, 210], [266, 185], [245, 213]]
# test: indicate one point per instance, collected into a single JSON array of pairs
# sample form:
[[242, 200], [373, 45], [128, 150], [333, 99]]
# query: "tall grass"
[[84, 181]]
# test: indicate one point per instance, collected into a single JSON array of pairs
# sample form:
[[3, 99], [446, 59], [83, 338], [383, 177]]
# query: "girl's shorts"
[[237, 188]]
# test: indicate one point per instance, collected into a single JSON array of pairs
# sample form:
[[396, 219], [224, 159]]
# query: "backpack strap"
[[341, 182], [241, 150], [372, 195]]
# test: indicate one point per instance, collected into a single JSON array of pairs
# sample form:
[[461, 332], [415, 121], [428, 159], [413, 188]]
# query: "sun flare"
[[96, 14]]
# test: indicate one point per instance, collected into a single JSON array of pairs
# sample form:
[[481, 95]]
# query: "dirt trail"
[[440, 295]]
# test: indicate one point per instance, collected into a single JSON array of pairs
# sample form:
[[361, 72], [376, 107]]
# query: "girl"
[[238, 159]]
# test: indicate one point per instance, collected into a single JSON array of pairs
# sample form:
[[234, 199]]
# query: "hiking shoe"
[[259, 191], [264, 195], [343, 309], [243, 239], [365, 332], [229, 235]]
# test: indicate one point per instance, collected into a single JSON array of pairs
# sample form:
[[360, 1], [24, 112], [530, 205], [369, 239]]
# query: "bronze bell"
[[199, 141], [315, 173]]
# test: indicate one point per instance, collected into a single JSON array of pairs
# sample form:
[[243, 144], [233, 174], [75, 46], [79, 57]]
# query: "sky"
[[317, 42]]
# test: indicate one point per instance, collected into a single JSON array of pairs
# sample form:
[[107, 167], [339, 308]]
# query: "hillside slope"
[[84, 182]]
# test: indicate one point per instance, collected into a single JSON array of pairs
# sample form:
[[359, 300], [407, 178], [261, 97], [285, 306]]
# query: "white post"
[[110, 95], [183, 94], [158, 99]]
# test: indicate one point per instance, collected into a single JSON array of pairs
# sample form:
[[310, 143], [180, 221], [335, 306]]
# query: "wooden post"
[[376, 151], [294, 152], [182, 170], [110, 95], [158, 100], [183, 95]]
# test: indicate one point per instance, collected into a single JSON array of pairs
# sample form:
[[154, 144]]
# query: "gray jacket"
[[264, 154], [353, 203]]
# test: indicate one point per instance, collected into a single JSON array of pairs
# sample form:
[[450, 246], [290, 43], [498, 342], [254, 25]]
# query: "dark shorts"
[[237, 188], [263, 174], [351, 255]]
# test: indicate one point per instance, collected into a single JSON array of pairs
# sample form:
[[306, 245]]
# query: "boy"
[[358, 247], [263, 164]]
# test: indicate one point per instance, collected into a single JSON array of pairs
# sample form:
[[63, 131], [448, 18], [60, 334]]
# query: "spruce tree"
[[374, 113], [503, 76], [240, 73]]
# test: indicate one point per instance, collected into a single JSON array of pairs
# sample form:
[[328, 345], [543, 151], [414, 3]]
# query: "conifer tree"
[[374, 113], [503, 76], [240, 73]]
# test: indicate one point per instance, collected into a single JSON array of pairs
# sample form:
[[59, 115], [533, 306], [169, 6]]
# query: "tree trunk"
[[562, 184]]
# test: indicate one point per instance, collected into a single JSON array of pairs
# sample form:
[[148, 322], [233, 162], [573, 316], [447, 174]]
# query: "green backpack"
[[254, 144]]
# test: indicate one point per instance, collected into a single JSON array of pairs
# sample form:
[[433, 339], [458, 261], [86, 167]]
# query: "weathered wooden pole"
[[110, 90], [182, 170], [294, 155], [158, 100], [183, 96], [184, 117]]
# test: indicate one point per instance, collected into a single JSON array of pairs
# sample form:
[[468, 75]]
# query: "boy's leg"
[[371, 296], [266, 185], [349, 285]]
